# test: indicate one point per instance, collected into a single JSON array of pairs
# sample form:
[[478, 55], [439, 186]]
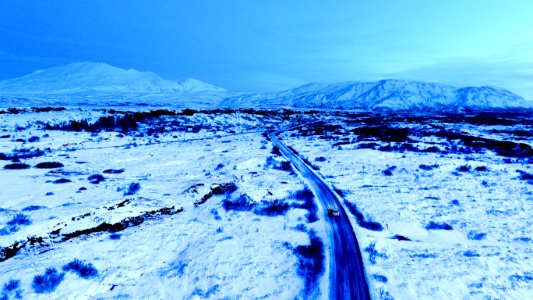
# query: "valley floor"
[[200, 206]]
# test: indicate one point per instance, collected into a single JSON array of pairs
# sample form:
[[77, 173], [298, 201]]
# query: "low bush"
[[113, 171], [11, 285], [438, 226], [360, 218], [320, 159], [84, 270], [272, 209], [471, 253], [373, 254], [33, 207], [61, 180], [481, 169], [309, 204], [16, 166], [400, 238], [47, 282], [241, 203], [49, 165], [380, 278], [276, 151], [465, 168], [96, 178], [284, 166], [388, 171], [133, 188], [476, 236], [428, 167], [19, 219], [311, 261]]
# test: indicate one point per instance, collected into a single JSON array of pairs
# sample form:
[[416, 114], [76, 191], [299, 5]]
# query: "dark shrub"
[[471, 253], [373, 253], [114, 236], [472, 235], [304, 194], [438, 226], [4, 156], [311, 264], [455, 202], [481, 169], [133, 188], [428, 167], [276, 151], [284, 166], [96, 178], [49, 165], [272, 209], [242, 203], [465, 168], [17, 166], [320, 158], [84, 270], [11, 285], [62, 180], [48, 282], [309, 204], [33, 139], [113, 171], [525, 176], [380, 278], [400, 238], [360, 218], [19, 219], [219, 167], [33, 207], [388, 171]]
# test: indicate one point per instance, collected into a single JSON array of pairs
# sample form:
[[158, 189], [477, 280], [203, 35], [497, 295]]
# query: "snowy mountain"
[[384, 94], [97, 77], [101, 84]]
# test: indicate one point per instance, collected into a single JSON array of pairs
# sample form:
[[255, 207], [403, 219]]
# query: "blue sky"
[[268, 45]]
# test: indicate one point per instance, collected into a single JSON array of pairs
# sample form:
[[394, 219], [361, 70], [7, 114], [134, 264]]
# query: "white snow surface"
[[204, 252], [487, 255]]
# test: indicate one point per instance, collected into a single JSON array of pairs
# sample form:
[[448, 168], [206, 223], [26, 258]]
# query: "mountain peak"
[[97, 77]]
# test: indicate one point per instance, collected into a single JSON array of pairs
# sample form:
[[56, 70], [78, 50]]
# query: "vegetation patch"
[[360, 218], [84, 270], [311, 261], [49, 165], [48, 282]]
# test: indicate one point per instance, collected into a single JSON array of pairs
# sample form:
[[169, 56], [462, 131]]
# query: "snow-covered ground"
[[486, 251], [177, 246], [186, 207]]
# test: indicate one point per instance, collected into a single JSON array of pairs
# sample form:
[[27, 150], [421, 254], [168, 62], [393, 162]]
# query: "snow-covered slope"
[[99, 84], [384, 94], [102, 84]]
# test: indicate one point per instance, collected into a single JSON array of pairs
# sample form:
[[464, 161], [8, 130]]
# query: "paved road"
[[347, 276]]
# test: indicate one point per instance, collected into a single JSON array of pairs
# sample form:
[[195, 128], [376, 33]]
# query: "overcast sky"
[[269, 45]]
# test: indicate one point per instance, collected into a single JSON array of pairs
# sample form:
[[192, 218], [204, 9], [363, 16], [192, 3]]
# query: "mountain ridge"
[[88, 83]]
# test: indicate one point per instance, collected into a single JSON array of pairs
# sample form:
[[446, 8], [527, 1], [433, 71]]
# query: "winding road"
[[347, 275]]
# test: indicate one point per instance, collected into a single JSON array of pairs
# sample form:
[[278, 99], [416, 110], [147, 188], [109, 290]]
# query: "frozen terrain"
[[183, 207], [442, 209], [107, 204]]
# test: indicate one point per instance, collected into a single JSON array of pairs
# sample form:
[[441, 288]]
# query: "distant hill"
[[99, 84], [385, 94]]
